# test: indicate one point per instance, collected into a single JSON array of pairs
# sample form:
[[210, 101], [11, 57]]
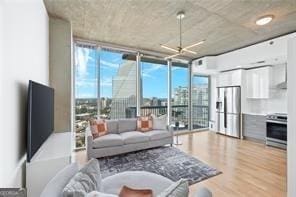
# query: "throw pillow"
[[129, 192], [177, 189], [159, 123], [98, 128], [144, 123], [86, 180]]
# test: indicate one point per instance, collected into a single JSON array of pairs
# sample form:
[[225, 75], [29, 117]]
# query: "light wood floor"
[[248, 168]]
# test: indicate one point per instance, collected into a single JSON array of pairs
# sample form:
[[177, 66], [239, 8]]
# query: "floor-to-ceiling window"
[[200, 102], [154, 88], [105, 87], [86, 90], [180, 93]]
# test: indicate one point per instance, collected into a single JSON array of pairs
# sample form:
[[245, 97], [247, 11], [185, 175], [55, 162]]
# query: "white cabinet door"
[[258, 83], [223, 79], [230, 78], [236, 77]]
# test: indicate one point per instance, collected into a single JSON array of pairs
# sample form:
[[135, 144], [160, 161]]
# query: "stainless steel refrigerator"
[[228, 108]]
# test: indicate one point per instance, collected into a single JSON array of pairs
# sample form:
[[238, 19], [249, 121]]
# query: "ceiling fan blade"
[[169, 48], [193, 45], [171, 56], [189, 51]]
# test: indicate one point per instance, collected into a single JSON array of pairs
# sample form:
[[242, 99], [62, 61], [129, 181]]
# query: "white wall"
[[24, 56], [291, 117], [262, 51]]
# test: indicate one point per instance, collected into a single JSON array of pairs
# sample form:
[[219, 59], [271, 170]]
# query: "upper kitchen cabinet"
[[258, 83], [230, 78]]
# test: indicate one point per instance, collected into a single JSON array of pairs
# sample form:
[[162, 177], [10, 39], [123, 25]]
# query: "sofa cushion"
[[112, 126], [159, 123], [125, 125], [86, 180], [158, 134], [107, 141], [98, 128], [144, 123], [133, 137]]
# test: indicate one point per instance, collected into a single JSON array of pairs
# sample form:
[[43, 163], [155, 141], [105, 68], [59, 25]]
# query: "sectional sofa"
[[89, 176], [123, 137]]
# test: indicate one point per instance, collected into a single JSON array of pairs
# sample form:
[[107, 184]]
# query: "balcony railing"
[[200, 114]]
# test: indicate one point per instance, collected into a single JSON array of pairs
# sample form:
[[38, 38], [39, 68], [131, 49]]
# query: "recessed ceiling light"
[[264, 20]]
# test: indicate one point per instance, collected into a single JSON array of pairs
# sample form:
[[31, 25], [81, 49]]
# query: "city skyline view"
[[117, 98], [154, 76]]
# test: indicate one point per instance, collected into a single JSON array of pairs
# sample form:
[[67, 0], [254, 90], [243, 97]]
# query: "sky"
[[154, 76]]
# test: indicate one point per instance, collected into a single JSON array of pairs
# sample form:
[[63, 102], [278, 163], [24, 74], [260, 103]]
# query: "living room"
[[159, 98]]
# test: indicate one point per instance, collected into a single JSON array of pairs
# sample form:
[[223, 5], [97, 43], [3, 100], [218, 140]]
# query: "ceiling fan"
[[180, 50]]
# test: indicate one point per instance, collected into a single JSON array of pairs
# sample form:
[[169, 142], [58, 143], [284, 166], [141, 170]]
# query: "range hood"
[[283, 85]]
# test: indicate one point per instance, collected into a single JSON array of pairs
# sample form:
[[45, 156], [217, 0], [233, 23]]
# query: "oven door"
[[276, 130]]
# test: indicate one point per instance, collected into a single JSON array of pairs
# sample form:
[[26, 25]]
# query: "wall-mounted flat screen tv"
[[40, 116]]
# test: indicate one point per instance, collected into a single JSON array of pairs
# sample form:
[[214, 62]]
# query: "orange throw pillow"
[[129, 192], [144, 123], [98, 128]]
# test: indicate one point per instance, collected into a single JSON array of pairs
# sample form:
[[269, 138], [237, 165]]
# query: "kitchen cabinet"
[[230, 78], [258, 83], [254, 127]]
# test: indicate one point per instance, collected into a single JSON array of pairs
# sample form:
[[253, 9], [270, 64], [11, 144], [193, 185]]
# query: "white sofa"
[[113, 184], [123, 137]]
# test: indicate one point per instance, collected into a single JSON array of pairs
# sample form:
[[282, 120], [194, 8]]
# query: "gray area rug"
[[169, 162]]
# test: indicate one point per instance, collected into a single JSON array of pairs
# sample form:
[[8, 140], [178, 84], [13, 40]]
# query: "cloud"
[[86, 95], [82, 59], [106, 82], [86, 83], [108, 64], [147, 72], [147, 75], [92, 83]]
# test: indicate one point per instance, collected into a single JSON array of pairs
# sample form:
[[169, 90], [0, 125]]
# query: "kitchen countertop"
[[261, 114], [255, 114]]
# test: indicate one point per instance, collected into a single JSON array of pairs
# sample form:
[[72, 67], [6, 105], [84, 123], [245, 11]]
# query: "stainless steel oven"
[[276, 130]]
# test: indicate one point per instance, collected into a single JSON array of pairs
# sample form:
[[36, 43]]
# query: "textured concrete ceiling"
[[145, 24]]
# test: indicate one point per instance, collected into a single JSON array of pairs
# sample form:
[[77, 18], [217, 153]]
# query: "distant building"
[[155, 101], [181, 96], [200, 94], [146, 102], [84, 116], [103, 103], [200, 104], [123, 90], [164, 102]]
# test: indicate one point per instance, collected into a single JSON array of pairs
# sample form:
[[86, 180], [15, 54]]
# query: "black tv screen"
[[40, 116]]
